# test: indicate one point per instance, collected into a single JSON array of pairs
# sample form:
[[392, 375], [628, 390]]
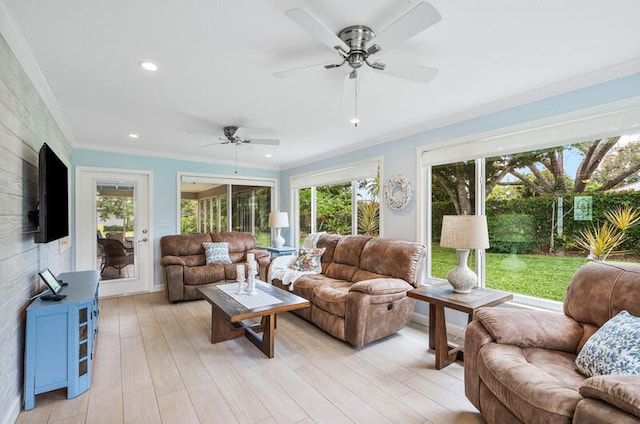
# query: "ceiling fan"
[[238, 136], [358, 45]]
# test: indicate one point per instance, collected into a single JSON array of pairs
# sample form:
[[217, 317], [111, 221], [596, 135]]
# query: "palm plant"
[[369, 218], [602, 241]]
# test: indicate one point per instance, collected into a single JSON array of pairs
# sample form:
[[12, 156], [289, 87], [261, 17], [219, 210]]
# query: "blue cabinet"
[[60, 337]]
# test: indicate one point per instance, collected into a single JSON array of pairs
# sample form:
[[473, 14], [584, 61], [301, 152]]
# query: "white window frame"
[[199, 177], [622, 117], [345, 173]]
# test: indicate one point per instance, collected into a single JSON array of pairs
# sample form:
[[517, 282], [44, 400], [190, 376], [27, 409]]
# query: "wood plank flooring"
[[154, 363]]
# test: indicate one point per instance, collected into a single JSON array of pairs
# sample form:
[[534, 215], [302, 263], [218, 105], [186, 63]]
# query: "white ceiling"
[[216, 58]]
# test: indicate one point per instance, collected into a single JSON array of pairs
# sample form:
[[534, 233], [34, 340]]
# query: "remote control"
[[54, 297]]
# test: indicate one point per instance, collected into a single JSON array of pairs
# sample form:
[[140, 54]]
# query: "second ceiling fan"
[[238, 135], [358, 45]]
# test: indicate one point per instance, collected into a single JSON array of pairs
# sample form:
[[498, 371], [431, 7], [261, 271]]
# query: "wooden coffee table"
[[440, 296], [227, 312]]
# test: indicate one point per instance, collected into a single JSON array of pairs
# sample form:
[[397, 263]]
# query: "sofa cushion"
[[340, 271], [622, 391], [613, 349], [305, 284], [184, 245], [332, 297], [216, 252], [361, 275], [531, 328], [204, 274], [349, 249], [329, 242], [394, 258], [615, 285], [537, 385]]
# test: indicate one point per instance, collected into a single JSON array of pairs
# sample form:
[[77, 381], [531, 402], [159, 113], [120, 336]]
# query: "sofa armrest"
[[381, 286], [172, 260], [621, 391], [475, 337], [531, 328], [259, 253]]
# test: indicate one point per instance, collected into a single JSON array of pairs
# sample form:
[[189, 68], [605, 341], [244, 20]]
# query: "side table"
[[281, 251], [442, 296]]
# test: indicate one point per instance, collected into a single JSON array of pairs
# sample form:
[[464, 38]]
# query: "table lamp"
[[464, 232], [278, 220]]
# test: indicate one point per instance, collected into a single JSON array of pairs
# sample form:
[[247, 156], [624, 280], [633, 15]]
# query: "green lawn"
[[532, 275]]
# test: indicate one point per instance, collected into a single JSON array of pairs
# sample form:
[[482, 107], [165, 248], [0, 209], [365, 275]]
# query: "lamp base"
[[278, 240], [461, 277]]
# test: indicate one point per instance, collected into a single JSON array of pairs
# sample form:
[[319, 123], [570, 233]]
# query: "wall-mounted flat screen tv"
[[52, 215]]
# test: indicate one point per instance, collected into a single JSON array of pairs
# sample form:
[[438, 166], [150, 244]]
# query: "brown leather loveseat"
[[519, 365], [361, 294], [184, 262]]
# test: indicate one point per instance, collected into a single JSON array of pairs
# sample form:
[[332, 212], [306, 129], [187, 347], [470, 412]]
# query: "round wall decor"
[[398, 192]]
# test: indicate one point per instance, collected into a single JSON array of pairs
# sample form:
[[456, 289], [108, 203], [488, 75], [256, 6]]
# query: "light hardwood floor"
[[154, 363]]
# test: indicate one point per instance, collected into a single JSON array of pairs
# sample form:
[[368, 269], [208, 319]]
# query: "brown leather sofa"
[[519, 365], [361, 294], [184, 263]]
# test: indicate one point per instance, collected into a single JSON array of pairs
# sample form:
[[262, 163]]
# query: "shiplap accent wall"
[[25, 124]]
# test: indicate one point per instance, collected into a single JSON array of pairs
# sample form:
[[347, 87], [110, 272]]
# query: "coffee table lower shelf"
[[227, 315], [222, 330]]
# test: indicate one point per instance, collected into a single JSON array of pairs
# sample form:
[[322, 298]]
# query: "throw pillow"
[[217, 252], [308, 261], [613, 349]]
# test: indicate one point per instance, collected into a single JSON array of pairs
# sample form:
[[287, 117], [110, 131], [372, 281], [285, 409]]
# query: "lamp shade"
[[278, 220], [464, 232]]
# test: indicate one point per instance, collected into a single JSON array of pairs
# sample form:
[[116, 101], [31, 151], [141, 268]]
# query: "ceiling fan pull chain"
[[235, 157], [356, 120]]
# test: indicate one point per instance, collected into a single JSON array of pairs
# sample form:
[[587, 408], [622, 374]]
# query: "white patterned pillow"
[[308, 261], [217, 252], [613, 349]]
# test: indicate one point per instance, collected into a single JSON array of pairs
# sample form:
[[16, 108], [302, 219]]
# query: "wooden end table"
[[442, 296], [227, 315]]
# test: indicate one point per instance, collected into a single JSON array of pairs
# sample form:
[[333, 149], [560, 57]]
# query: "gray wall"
[[25, 124]]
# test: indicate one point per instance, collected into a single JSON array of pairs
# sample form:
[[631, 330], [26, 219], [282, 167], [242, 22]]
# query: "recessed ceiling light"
[[268, 155], [133, 135], [148, 66]]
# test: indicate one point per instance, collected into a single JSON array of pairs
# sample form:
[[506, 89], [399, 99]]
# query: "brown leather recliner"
[[184, 262], [519, 365]]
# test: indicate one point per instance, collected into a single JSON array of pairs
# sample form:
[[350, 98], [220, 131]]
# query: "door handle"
[[143, 240]]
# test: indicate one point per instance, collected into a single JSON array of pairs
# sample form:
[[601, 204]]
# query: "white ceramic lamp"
[[278, 220], [464, 232]]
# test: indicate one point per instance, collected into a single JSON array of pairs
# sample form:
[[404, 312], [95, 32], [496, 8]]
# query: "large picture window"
[[549, 210]]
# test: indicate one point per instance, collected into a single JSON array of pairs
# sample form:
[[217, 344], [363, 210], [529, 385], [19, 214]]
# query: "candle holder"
[[240, 278], [251, 278]]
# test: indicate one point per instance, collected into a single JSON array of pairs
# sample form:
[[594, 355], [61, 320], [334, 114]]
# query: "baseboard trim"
[[12, 412]]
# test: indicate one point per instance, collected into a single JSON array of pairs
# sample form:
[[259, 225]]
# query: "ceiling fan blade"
[[300, 71], [240, 133], [409, 71], [411, 23], [308, 21], [265, 141], [214, 144]]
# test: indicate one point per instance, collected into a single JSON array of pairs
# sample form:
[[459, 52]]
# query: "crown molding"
[[175, 156]]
